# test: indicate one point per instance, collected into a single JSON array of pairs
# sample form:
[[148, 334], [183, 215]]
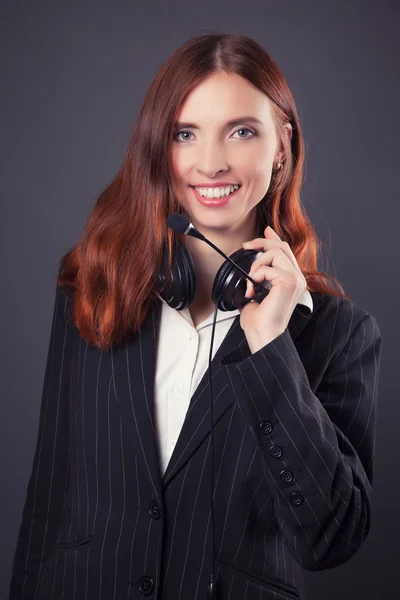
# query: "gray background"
[[73, 77]]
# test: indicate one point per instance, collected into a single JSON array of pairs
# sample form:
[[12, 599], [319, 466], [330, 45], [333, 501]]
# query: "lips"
[[213, 202], [214, 185]]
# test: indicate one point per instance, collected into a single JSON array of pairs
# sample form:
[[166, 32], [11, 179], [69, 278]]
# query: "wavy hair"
[[113, 270]]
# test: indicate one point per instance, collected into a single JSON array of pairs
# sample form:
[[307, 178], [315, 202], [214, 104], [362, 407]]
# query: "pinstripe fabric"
[[294, 434]]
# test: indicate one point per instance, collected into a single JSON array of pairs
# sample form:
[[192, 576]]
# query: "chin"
[[210, 220]]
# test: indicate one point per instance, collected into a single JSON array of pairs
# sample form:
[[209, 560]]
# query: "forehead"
[[225, 96]]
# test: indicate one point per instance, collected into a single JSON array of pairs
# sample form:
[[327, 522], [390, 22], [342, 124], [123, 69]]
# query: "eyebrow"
[[231, 123]]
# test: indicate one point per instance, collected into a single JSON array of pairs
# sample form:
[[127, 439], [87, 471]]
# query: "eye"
[[253, 133], [183, 132], [180, 133]]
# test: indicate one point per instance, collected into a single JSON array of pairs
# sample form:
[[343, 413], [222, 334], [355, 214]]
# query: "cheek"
[[258, 170], [256, 161], [180, 162]]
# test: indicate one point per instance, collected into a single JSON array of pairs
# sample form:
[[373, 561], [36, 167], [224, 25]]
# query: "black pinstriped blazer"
[[294, 434]]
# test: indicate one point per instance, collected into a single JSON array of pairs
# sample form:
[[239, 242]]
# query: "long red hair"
[[113, 271]]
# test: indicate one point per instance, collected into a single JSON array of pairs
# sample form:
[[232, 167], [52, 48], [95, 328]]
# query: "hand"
[[263, 322]]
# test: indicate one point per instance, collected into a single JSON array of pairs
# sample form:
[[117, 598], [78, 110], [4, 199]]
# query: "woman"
[[119, 500]]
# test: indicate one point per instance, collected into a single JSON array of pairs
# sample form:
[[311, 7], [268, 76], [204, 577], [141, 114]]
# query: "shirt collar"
[[305, 300]]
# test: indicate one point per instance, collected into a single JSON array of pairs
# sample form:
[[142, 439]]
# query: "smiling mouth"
[[214, 202], [195, 188]]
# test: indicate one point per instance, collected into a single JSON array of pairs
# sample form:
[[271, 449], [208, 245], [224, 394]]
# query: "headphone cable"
[[212, 586]]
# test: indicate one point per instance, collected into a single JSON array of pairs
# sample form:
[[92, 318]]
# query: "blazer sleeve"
[[322, 482], [43, 507]]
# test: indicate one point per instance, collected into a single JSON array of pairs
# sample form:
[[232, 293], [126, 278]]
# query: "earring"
[[280, 165]]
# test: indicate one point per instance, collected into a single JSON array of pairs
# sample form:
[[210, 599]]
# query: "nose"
[[211, 160]]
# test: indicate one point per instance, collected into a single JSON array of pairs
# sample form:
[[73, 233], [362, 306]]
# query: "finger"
[[270, 231], [265, 245], [275, 257], [262, 274], [249, 289], [290, 279]]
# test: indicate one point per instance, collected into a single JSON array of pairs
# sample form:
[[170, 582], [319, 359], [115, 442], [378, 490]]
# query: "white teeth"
[[217, 192]]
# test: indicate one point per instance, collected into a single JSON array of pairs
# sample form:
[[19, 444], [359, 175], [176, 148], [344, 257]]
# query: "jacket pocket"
[[83, 542], [271, 584]]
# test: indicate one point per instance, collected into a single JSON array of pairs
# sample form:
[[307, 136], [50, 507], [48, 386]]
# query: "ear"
[[289, 128], [280, 156]]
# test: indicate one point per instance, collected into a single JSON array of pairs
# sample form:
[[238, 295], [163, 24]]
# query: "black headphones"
[[229, 287]]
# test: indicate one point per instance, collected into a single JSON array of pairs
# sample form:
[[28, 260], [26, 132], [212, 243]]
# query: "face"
[[207, 150]]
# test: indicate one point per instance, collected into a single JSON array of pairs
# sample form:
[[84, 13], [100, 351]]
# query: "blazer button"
[[296, 499], [154, 510], [276, 451], [146, 585], [266, 427], [286, 476]]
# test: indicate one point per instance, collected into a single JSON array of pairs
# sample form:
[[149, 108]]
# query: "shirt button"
[[276, 451], [179, 388], [286, 476], [296, 499], [146, 585]]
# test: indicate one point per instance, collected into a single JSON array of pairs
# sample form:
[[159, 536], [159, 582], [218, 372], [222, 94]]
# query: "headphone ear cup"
[[229, 286], [179, 292]]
